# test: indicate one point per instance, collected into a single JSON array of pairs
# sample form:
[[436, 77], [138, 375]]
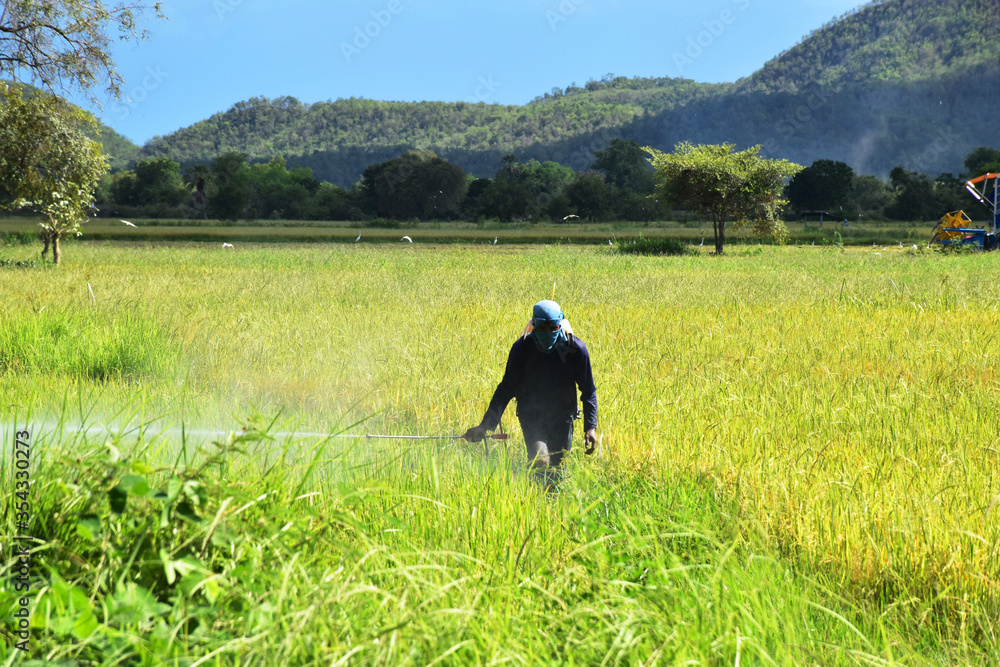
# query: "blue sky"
[[210, 54]]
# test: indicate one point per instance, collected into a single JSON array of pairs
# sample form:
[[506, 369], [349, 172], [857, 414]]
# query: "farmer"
[[544, 368]]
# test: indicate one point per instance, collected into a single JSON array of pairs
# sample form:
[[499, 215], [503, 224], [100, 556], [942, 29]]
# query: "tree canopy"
[[915, 196], [725, 185], [982, 160], [625, 166], [824, 184], [418, 184], [66, 44], [48, 162]]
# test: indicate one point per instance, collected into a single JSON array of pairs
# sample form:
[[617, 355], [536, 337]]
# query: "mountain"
[[911, 82], [892, 42], [339, 139], [121, 149]]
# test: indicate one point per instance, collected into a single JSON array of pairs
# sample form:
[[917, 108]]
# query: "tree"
[[628, 173], [950, 193], [869, 196], [158, 181], [720, 183], [625, 165], [823, 185], [440, 187], [123, 187], [65, 44], [643, 208], [475, 204], [418, 184], [196, 177], [591, 197], [154, 187], [915, 198], [981, 161], [230, 187], [282, 194], [332, 202], [48, 163], [508, 199], [524, 190]]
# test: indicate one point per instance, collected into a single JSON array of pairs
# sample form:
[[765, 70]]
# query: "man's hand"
[[590, 442], [475, 434]]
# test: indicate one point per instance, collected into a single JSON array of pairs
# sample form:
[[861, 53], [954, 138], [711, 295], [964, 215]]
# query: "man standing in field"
[[544, 368]]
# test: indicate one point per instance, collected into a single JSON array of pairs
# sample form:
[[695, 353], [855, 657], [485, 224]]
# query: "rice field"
[[695, 232], [798, 459]]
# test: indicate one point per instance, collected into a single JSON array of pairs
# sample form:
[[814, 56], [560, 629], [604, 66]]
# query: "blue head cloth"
[[547, 312]]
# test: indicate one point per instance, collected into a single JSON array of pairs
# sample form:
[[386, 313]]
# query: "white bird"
[[914, 247], [610, 243], [495, 239], [357, 239], [568, 217], [406, 238], [900, 245], [702, 241], [130, 224], [814, 243], [228, 245]]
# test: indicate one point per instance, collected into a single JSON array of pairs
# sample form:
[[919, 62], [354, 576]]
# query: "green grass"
[[798, 456], [78, 344], [654, 247], [407, 556], [465, 233]]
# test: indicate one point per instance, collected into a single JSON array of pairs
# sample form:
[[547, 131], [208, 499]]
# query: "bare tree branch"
[[65, 44]]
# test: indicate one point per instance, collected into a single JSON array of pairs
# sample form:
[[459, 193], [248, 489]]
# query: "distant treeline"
[[926, 125], [894, 82], [420, 186]]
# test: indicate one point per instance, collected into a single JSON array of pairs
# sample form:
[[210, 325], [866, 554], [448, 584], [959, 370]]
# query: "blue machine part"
[[969, 236], [986, 189]]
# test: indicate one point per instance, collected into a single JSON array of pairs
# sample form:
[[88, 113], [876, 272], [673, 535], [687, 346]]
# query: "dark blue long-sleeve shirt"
[[545, 384]]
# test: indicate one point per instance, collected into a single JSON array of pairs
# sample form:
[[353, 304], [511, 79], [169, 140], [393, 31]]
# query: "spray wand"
[[501, 435], [494, 436]]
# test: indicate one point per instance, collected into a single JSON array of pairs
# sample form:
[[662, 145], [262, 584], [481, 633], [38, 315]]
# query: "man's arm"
[[588, 397], [588, 391], [508, 386]]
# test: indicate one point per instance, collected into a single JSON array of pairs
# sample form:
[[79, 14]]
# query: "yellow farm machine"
[[956, 228]]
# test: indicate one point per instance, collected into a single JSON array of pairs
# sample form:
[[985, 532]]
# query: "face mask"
[[547, 340], [548, 311]]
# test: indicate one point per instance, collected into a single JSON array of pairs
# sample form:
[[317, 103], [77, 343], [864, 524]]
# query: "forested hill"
[[122, 151], [335, 138], [891, 42], [911, 82]]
